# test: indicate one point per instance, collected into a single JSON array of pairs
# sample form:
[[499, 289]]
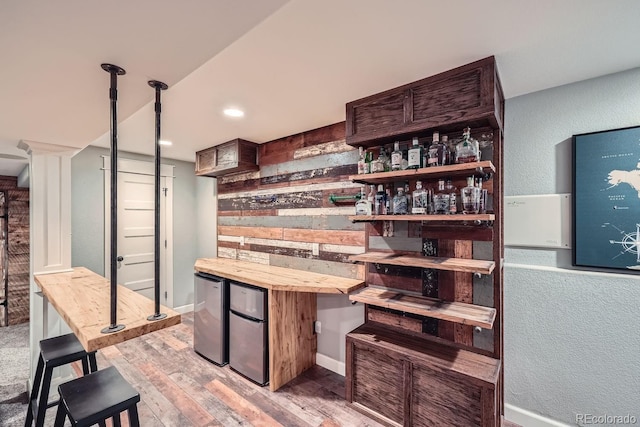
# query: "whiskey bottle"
[[377, 165], [467, 150], [379, 207], [414, 155], [400, 202], [419, 200], [437, 151], [441, 200], [396, 157], [363, 206], [470, 196], [362, 162], [453, 197]]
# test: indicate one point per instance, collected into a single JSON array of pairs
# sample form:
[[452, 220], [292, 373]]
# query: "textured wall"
[[18, 252], [571, 339]]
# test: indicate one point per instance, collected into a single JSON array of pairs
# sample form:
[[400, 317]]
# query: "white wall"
[[87, 217], [572, 343]]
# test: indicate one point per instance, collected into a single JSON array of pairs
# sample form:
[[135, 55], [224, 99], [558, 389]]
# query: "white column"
[[50, 232]]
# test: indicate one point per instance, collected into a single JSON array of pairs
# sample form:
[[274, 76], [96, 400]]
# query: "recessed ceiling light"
[[233, 112], [165, 142]]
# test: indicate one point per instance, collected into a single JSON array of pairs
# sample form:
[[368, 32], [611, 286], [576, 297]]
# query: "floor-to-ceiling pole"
[[114, 71], [158, 86]]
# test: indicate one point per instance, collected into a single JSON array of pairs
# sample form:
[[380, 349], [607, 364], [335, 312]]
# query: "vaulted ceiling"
[[290, 65]]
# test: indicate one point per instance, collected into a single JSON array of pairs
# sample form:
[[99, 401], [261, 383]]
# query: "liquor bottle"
[[482, 206], [368, 158], [388, 205], [441, 203], [407, 193], [363, 206], [362, 162], [419, 205], [380, 201], [470, 196], [377, 165], [400, 202], [437, 151], [414, 155], [396, 157], [453, 197], [371, 196], [467, 150], [449, 151]]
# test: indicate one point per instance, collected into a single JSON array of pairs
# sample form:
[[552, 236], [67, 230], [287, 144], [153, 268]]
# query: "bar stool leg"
[[61, 415], [35, 388], [85, 366], [93, 364], [44, 397], [133, 416], [116, 421]]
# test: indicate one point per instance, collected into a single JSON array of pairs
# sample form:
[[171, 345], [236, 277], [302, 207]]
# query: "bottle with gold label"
[[467, 150]]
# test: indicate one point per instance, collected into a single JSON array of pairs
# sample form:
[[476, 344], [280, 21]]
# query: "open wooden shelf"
[[438, 263], [466, 314], [449, 218], [462, 169]]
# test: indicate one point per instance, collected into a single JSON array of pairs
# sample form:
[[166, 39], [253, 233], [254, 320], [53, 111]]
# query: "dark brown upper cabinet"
[[470, 95], [233, 156]]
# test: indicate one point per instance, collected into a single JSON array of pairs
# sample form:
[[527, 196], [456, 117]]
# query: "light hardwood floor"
[[178, 388]]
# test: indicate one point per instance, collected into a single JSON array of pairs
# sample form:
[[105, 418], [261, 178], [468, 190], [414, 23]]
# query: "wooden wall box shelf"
[[458, 170], [438, 263], [426, 218], [470, 95], [234, 156], [466, 314], [401, 380]]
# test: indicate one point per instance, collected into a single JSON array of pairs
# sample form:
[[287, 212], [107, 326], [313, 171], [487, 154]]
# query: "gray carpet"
[[14, 373]]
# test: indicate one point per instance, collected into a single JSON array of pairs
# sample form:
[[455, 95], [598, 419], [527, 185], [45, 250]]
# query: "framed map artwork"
[[606, 199]]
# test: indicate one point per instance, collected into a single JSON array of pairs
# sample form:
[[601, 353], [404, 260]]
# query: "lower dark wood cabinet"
[[401, 379]]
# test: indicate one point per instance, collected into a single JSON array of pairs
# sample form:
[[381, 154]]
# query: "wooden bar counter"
[[82, 299], [292, 309]]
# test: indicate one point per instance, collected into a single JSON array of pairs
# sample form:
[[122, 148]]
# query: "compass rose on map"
[[629, 243]]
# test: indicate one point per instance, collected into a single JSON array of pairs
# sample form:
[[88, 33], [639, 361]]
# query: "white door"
[[136, 202]]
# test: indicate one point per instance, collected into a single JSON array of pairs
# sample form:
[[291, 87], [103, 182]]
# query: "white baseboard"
[[184, 309], [529, 419], [330, 364]]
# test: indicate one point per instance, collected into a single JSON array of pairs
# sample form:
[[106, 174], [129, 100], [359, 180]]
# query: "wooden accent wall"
[[281, 215], [18, 250]]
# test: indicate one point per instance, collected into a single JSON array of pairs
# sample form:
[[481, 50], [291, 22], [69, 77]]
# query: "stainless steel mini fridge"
[[248, 332], [211, 318]]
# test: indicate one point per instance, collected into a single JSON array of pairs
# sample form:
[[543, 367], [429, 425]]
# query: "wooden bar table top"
[[82, 298], [277, 278]]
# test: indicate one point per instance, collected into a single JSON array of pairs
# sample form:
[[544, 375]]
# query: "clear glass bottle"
[[437, 151], [453, 197], [414, 155], [449, 150], [470, 196], [379, 207], [362, 162], [388, 200], [377, 165], [441, 200], [368, 158], [363, 206], [396, 157], [467, 150], [400, 202], [386, 159], [419, 200], [482, 207]]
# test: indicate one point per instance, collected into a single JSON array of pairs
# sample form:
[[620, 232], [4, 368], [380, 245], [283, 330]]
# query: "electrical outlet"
[[317, 327]]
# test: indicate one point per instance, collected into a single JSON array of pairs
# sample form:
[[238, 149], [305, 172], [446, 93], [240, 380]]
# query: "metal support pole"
[[114, 71], [158, 86]]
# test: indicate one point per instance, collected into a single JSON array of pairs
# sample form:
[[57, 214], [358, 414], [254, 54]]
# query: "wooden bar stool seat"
[[54, 352], [94, 398]]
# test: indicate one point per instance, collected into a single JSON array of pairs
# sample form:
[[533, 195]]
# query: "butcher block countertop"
[[277, 278], [82, 298]]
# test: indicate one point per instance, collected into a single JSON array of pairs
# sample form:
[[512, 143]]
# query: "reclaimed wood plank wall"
[[281, 215], [18, 250]]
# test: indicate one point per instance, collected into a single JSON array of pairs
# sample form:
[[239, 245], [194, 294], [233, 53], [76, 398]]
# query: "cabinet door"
[[378, 383], [438, 399]]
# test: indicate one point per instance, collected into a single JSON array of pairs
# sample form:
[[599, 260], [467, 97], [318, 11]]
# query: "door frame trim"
[[142, 167]]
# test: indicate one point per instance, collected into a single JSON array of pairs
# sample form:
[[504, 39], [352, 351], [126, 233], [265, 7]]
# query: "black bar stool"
[[54, 352], [94, 398]]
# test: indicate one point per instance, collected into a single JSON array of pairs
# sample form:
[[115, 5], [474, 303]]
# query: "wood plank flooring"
[[179, 388]]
